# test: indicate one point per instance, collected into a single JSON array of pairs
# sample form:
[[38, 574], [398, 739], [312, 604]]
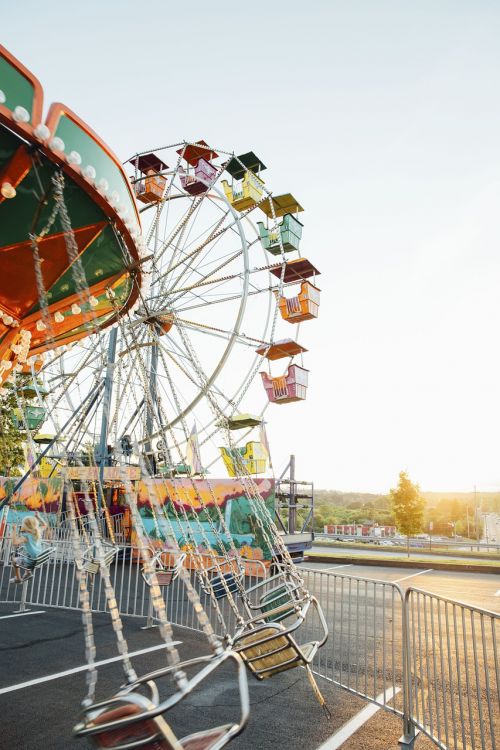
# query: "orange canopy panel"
[[282, 204], [18, 291], [281, 349], [296, 270], [193, 153]]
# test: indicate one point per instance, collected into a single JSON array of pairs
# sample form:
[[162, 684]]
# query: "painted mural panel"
[[35, 494], [190, 510], [192, 516]]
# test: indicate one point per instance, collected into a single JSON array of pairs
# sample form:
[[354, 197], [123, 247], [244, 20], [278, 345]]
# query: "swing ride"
[[141, 353]]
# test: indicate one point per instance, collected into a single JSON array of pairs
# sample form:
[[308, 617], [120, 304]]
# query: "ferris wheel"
[[212, 339]]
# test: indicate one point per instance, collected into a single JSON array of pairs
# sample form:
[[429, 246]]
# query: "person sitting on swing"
[[30, 536]]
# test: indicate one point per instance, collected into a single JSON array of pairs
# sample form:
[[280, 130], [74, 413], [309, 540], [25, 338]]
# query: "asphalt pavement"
[[346, 550], [284, 711], [479, 589]]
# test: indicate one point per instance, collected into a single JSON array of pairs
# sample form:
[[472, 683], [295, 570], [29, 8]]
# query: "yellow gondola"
[[247, 188], [253, 457]]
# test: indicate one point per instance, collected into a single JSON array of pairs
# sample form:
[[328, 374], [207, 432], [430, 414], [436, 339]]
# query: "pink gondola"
[[286, 388], [197, 155], [204, 174]]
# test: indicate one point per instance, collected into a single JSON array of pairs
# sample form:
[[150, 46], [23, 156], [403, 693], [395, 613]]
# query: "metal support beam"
[[292, 512], [150, 407], [106, 408]]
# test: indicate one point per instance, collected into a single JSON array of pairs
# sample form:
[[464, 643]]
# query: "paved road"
[[284, 712], [346, 551], [492, 527], [479, 589]]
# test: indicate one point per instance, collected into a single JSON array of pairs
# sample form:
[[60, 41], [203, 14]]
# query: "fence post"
[[149, 622], [24, 593], [410, 734]]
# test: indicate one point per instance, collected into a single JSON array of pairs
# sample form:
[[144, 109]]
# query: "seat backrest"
[[43, 557], [274, 599], [146, 733], [268, 650]]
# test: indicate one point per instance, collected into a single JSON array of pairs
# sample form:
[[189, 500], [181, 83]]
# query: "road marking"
[[333, 567], [83, 668], [22, 614], [420, 573], [357, 721], [498, 593]]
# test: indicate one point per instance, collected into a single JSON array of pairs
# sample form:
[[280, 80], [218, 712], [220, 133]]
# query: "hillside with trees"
[[449, 512]]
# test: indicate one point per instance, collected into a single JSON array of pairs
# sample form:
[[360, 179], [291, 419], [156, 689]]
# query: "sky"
[[383, 118]]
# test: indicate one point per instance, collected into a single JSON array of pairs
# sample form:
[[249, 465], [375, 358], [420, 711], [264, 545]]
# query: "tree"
[[11, 439], [408, 507]]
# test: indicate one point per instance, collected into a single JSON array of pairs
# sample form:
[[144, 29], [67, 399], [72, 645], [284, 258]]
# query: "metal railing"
[[364, 651], [55, 585], [431, 661], [416, 545], [453, 671]]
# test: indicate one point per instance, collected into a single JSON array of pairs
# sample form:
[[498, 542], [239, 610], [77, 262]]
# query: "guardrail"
[[364, 651], [415, 544], [429, 660], [453, 671]]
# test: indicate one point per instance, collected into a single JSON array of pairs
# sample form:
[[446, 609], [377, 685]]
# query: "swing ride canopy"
[[91, 227]]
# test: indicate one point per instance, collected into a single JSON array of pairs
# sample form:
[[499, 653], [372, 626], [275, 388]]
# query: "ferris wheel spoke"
[[178, 251], [186, 262], [241, 338], [181, 247], [207, 280], [229, 277], [217, 301]]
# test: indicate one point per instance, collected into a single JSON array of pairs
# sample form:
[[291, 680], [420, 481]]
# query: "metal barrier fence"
[[55, 585], [364, 651], [453, 671], [429, 660]]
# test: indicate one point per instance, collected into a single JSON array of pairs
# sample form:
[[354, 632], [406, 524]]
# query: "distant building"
[[359, 529]]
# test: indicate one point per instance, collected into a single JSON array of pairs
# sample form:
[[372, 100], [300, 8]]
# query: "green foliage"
[[408, 506], [326, 513], [455, 514], [11, 439], [448, 511]]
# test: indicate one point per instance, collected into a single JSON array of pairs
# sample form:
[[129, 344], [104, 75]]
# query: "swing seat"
[[301, 307], [25, 562], [268, 648], [290, 230], [164, 576], [292, 386], [151, 734], [276, 599], [146, 733], [204, 174], [91, 563], [274, 594], [244, 194], [222, 585], [132, 720], [271, 649], [221, 590]]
